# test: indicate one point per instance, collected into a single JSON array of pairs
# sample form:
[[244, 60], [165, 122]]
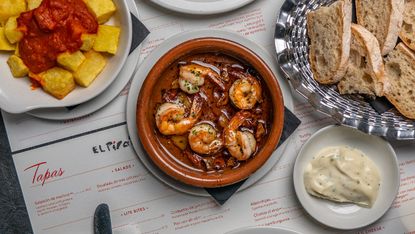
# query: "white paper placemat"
[[67, 168]]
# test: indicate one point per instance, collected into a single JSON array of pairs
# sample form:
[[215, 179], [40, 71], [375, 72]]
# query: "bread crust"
[[365, 44], [395, 22], [373, 56], [408, 42], [345, 13], [401, 47]]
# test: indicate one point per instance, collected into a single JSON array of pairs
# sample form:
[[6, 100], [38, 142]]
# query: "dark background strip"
[[13, 213]]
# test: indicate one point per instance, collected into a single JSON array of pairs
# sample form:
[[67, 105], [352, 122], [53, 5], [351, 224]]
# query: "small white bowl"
[[348, 216], [17, 97]]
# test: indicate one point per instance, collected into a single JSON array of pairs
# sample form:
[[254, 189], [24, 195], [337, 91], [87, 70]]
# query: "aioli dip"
[[343, 174]]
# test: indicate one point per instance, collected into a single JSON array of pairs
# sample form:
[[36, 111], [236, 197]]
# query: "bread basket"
[[291, 43]]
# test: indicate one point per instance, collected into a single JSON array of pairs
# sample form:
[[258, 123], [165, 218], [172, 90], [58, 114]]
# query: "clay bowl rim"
[[147, 132]]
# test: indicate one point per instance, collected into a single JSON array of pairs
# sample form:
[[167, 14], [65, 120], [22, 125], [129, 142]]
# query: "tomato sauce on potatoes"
[[54, 27]]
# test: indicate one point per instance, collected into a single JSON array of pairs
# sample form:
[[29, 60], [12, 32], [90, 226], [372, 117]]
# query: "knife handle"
[[102, 220]]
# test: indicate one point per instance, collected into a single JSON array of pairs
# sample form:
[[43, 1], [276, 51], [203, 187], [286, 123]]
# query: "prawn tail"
[[196, 109], [237, 74], [217, 80], [239, 119]]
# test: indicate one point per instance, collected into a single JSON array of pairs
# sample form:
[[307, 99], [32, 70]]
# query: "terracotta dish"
[[212, 108]]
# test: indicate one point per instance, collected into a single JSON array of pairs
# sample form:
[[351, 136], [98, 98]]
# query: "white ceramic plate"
[[262, 230], [141, 74], [17, 97], [86, 108], [345, 215], [202, 7]]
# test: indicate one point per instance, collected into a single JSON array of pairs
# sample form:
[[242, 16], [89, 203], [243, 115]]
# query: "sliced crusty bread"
[[407, 33], [400, 72], [365, 71], [329, 32], [383, 18]]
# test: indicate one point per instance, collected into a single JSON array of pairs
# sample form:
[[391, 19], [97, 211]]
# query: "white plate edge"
[[271, 229], [188, 7]]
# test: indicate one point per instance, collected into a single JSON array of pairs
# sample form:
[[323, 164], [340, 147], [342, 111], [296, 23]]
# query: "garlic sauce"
[[343, 174]]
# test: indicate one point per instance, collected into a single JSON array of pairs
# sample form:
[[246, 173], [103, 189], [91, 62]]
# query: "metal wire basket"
[[291, 43]]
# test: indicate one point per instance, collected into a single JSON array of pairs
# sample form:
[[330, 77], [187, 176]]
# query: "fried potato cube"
[[32, 4], [87, 41], [107, 39], [9, 8], [71, 61], [90, 68], [180, 141], [101, 9], [17, 52], [17, 67], [57, 81], [35, 77], [4, 43], [11, 31]]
